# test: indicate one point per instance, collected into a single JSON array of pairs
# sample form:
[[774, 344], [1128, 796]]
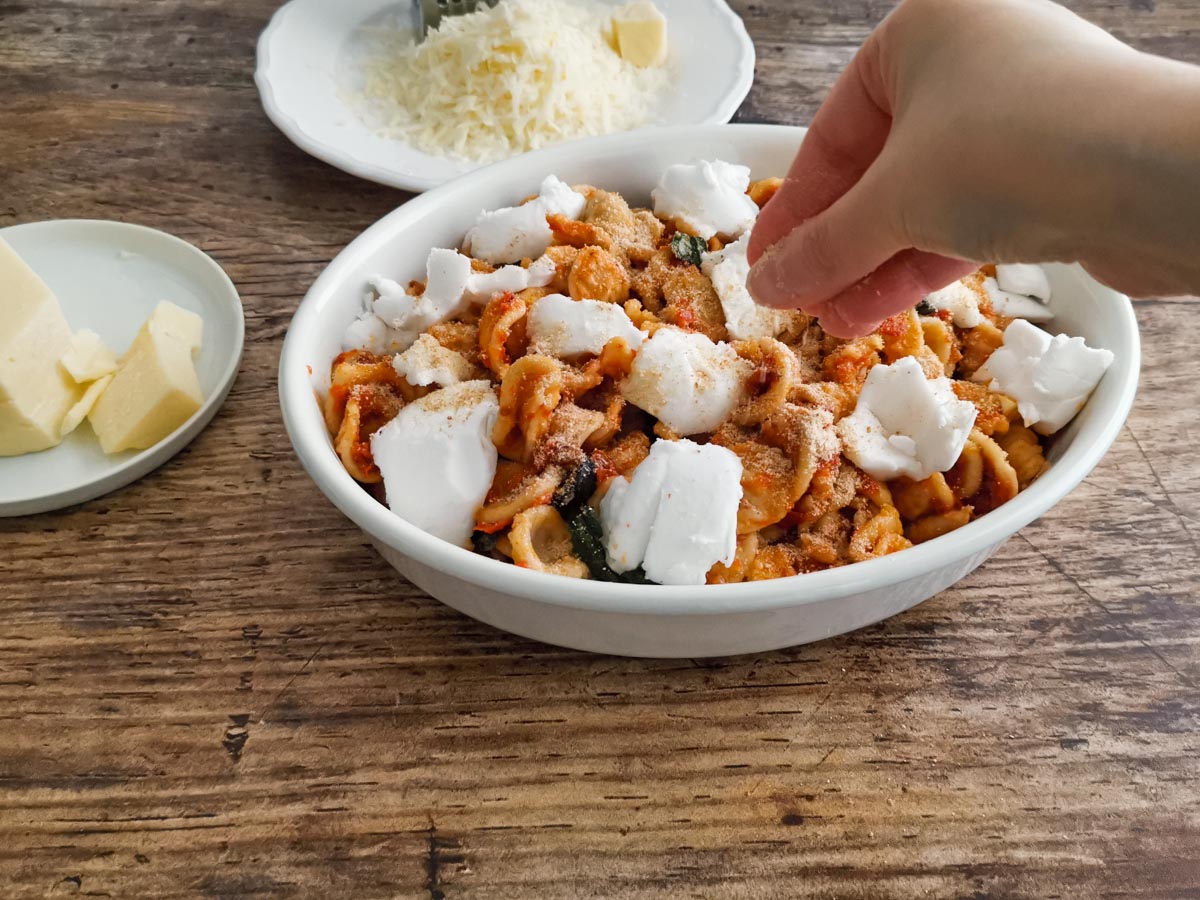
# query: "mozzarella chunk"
[[677, 516], [707, 197], [371, 333], [394, 318], [482, 286], [960, 301], [1024, 278], [745, 320], [428, 362], [1049, 377], [447, 275], [438, 460], [906, 424], [686, 381], [514, 233], [1015, 306], [568, 329]]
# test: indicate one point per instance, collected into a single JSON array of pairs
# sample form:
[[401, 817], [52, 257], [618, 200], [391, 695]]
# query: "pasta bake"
[[586, 388]]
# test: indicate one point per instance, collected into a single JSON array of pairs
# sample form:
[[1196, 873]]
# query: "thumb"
[[827, 253]]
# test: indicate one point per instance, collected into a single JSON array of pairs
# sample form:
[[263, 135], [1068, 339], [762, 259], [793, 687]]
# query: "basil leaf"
[[587, 539], [635, 576], [576, 489], [688, 248], [484, 542], [925, 308]]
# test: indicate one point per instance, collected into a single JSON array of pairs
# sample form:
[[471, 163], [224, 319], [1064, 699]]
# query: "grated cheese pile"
[[509, 79]]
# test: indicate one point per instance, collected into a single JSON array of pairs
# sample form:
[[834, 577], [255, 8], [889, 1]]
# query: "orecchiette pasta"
[[940, 338], [937, 524], [571, 428], [364, 394], [565, 429], [768, 477], [598, 275], [739, 569], [367, 408], [763, 190], [849, 363], [915, 499], [502, 332], [993, 411], [607, 401], [515, 488], [529, 393], [978, 344], [1000, 483], [775, 373], [902, 335], [540, 541], [776, 561], [877, 534], [627, 451], [1024, 453], [355, 368]]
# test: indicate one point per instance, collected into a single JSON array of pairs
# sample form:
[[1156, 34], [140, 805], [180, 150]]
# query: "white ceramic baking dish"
[[640, 620]]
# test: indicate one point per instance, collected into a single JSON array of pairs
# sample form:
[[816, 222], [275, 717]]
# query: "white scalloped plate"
[[109, 276], [306, 65]]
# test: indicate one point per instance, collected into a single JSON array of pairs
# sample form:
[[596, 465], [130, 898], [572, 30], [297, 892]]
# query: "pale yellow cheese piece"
[[88, 358], [79, 411], [35, 392], [640, 31], [180, 323], [156, 389]]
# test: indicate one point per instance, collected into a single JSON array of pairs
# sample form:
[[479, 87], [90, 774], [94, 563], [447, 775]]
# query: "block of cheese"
[[640, 31], [35, 391], [155, 390], [88, 358], [179, 323], [79, 411]]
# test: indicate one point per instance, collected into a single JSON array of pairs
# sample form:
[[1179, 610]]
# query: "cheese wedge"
[[35, 391], [179, 323], [88, 358], [640, 31], [79, 411], [156, 389]]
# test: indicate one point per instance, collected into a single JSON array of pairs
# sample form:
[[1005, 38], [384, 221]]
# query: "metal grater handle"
[[431, 12]]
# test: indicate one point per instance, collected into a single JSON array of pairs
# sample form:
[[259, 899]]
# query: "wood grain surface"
[[211, 686]]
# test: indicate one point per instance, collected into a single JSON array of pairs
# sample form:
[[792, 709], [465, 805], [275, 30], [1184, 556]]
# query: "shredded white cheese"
[[506, 80]]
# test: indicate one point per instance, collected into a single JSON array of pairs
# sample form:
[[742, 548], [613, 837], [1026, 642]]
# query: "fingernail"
[[836, 324]]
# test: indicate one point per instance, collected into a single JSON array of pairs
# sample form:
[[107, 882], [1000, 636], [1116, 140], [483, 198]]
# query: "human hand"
[[991, 130]]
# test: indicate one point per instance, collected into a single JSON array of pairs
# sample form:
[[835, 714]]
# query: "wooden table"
[[210, 685]]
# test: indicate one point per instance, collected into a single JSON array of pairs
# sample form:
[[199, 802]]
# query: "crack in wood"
[[1061, 570], [1174, 508], [440, 851], [236, 735]]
